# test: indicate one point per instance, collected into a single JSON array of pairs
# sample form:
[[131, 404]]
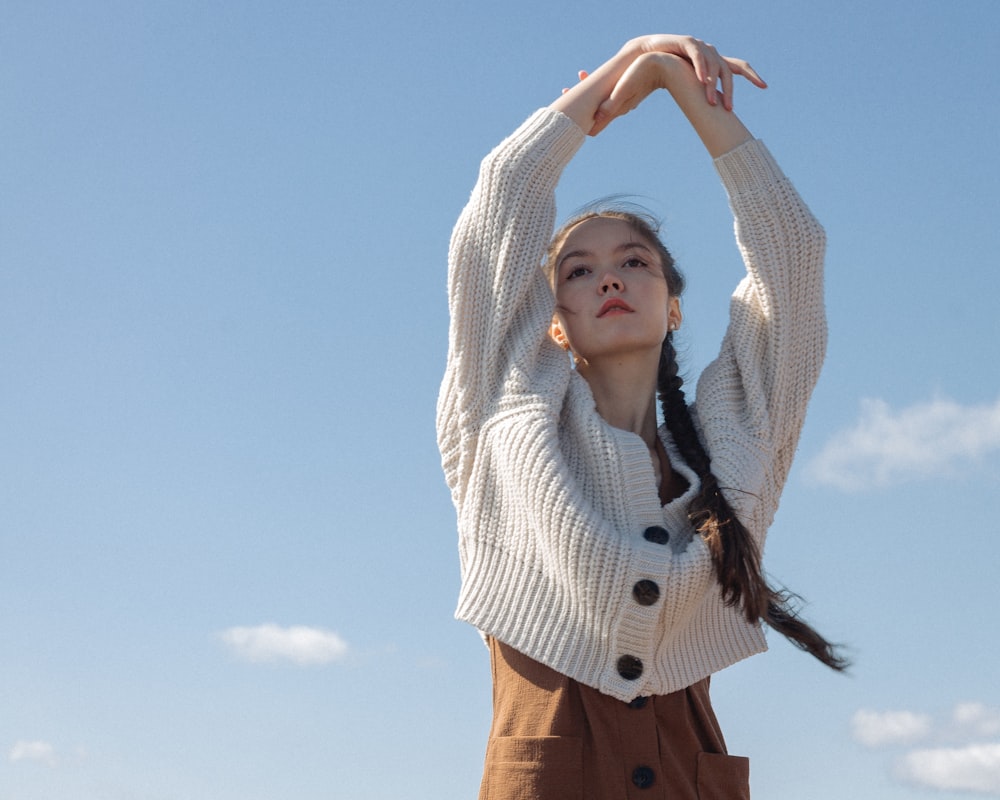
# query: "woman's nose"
[[610, 281]]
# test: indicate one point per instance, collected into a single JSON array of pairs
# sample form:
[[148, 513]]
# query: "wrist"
[[634, 48], [676, 72]]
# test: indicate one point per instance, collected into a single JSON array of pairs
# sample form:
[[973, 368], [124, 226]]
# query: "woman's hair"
[[735, 554]]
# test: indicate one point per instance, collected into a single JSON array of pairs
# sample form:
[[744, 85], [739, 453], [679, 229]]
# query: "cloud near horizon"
[[886, 447], [299, 644], [974, 768], [33, 751], [967, 764]]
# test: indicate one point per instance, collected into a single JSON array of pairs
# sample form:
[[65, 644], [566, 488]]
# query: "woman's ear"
[[674, 315], [556, 332]]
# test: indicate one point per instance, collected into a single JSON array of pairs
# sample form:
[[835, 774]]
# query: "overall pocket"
[[533, 768], [723, 777]]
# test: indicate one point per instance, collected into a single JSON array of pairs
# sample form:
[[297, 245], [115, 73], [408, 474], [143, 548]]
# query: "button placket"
[[645, 593]]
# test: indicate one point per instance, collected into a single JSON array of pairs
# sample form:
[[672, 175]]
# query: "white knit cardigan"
[[553, 503]]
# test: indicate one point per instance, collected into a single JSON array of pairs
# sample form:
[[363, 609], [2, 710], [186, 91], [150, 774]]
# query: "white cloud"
[[971, 764], [33, 751], [887, 446], [299, 644], [974, 720], [877, 728], [975, 768]]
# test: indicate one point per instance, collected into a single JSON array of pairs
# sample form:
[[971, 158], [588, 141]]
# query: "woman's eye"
[[576, 272], [635, 262]]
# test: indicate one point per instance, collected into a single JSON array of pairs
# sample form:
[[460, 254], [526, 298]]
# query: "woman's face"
[[611, 294]]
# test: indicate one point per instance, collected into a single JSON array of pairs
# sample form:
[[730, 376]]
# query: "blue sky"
[[228, 555]]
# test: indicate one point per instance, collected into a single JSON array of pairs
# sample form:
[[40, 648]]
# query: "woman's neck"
[[625, 394]]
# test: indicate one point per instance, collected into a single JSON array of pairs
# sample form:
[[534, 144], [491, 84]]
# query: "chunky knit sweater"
[[558, 512]]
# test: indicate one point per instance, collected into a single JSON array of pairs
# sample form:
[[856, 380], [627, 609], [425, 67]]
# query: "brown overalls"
[[554, 738]]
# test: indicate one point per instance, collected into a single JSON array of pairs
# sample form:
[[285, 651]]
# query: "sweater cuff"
[[547, 136], [747, 166]]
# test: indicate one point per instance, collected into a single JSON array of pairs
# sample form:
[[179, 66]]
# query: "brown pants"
[[556, 739]]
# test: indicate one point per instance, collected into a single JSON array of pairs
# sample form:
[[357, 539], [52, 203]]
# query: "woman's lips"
[[612, 305]]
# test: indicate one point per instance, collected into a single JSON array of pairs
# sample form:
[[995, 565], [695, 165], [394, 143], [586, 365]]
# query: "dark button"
[[643, 777], [639, 702], [656, 535], [646, 592], [629, 667]]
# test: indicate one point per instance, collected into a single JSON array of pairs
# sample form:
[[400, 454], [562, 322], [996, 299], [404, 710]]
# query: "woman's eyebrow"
[[573, 254], [633, 246]]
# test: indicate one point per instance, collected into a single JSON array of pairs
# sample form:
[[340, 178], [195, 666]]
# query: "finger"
[[714, 70], [710, 94], [726, 76], [617, 105], [601, 120], [741, 67], [599, 125], [613, 107], [582, 75], [695, 54], [604, 118]]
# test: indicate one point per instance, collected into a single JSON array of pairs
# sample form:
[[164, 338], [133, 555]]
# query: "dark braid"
[[734, 553]]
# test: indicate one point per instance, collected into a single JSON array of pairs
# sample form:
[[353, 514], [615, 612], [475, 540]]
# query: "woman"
[[611, 565]]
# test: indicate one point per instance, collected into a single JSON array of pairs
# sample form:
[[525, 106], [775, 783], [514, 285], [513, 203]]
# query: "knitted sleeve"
[[499, 299], [751, 401]]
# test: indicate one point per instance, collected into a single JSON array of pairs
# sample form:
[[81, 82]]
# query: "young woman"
[[613, 565]]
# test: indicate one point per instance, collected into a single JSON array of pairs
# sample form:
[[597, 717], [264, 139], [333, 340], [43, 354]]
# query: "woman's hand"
[[709, 66], [665, 62], [643, 65]]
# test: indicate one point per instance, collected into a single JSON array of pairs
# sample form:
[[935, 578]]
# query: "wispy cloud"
[[298, 644], [877, 728], [42, 752], [960, 752], [974, 768], [886, 446], [974, 720]]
